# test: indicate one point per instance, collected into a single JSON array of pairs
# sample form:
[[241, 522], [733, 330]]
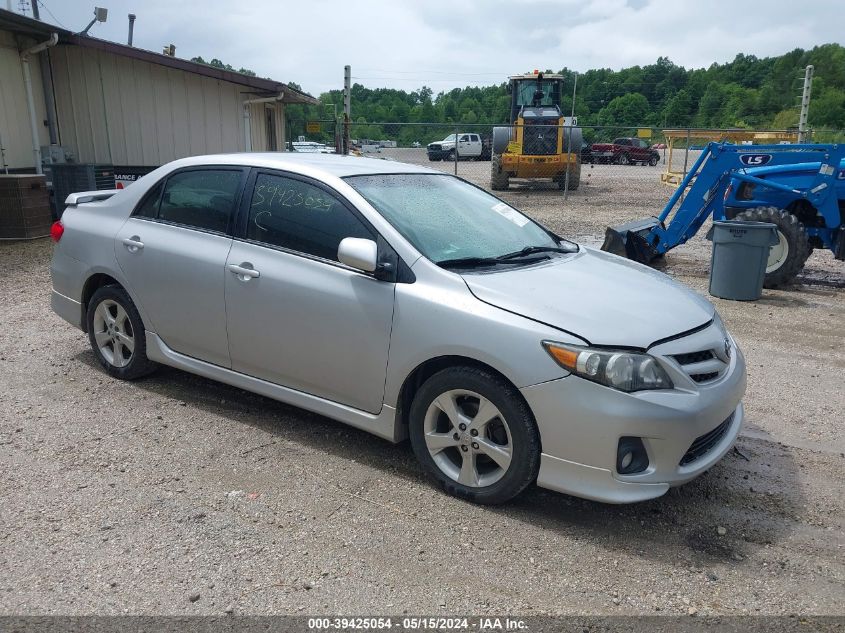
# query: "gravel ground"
[[177, 495]]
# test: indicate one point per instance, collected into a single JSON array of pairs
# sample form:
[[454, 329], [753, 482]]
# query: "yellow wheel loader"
[[540, 143]]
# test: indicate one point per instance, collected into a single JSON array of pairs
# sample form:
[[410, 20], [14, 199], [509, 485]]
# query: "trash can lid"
[[744, 232]]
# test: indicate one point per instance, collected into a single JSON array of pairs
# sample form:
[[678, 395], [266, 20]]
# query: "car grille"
[[702, 445], [702, 366], [540, 140], [434, 147]]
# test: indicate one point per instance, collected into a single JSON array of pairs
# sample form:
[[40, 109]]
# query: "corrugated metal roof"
[[23, 25]]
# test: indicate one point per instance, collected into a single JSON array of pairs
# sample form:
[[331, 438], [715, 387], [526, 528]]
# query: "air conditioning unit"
[[69, 178], [24, 207]]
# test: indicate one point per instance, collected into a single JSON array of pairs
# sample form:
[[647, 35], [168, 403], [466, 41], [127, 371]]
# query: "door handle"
[[133, 244], [244, 272]]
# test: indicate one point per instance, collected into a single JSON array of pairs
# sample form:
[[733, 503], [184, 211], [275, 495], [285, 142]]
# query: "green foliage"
[[746, 92], [216, 63]]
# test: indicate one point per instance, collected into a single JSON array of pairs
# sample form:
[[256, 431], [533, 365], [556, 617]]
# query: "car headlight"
[[618, 369], [720, 325]]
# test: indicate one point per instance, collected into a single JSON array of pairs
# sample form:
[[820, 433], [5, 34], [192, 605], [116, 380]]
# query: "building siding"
[[15, 134], [113, 109]]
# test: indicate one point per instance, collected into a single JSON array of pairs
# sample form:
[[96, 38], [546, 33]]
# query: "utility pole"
[[347, 105], [571, 126], [805, 104], [35, 13]]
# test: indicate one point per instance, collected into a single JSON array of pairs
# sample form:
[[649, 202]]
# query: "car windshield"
[[449, 220], [451, 137]]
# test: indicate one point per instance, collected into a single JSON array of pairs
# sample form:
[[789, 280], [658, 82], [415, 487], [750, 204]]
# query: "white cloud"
[[449, 43]]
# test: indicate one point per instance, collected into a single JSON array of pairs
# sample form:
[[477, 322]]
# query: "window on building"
[[272, 143]]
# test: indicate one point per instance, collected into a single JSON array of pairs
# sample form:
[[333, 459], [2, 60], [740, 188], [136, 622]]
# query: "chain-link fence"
[[635, 167]]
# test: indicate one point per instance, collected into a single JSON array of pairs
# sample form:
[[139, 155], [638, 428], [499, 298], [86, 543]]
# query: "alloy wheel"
[[113, 333], [468, 438]]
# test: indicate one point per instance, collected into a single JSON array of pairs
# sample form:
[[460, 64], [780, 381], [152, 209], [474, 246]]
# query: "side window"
[[474, 138], [149, 205], [465, 137], [301, 217], [202, 199]]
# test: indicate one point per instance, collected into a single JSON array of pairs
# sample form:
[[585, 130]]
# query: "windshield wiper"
[[530, 250], [478, 262]]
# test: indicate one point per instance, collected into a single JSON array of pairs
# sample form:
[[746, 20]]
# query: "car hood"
[[601, 298]]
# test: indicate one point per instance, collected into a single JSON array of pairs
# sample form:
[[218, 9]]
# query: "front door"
[[173, 250], [296, 316]]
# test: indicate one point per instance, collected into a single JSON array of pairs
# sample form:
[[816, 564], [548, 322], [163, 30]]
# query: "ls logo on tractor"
[[755, 160]]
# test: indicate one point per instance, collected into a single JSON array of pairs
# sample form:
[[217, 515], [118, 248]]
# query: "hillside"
[[746, 92]]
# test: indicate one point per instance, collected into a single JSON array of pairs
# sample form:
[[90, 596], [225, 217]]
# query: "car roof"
[[310, 164]]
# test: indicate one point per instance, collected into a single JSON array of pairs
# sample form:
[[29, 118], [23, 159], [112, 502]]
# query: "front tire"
[[117, 334], [653, 160], [787, 258], [475, 435], [499, 179]]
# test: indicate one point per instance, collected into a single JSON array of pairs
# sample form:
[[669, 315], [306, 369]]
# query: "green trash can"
[[740, 255]]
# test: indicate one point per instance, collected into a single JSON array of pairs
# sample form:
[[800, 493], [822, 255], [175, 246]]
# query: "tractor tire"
[[499, 179], [787, 258], [574, 177]]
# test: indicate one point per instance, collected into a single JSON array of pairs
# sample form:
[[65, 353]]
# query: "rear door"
[[465, 147], [640, 151], [173, 250], [296, 316]]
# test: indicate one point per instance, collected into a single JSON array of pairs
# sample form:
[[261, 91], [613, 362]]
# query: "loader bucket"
[[631, 240]]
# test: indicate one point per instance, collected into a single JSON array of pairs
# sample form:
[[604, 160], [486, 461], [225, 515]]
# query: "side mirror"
[[358, 253]]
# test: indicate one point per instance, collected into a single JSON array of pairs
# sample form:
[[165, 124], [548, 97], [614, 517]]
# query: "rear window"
[[202, 199]]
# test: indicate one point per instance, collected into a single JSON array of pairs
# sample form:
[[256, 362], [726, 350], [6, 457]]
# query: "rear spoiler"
[[89, 196]]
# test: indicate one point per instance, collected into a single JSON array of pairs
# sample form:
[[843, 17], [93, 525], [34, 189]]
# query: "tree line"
[[748, 92]]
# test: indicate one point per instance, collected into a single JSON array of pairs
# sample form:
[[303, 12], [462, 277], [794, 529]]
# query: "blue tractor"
[[799, 188]]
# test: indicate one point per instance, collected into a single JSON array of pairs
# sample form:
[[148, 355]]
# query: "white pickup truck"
[[470, 145]]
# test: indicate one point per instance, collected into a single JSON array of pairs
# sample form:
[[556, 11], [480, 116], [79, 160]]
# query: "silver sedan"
[[411, 304]]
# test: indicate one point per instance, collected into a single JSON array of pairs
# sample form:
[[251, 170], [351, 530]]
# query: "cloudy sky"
[[448, 43]]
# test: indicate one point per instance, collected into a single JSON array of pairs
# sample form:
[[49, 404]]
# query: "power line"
[[55, 19]]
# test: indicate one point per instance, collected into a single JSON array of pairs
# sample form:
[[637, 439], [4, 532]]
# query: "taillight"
[[57, 230]]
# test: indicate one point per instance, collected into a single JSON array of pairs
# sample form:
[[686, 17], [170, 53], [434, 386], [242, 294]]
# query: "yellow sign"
[[312, 127], [644, 132]]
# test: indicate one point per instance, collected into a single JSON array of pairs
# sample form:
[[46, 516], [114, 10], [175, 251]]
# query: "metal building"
[[76, 97]]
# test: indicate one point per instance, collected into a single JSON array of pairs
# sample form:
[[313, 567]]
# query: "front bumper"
[[581, 422], [438, 154]]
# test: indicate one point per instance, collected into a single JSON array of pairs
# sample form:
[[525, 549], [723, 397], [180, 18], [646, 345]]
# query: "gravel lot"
[[177, 495]]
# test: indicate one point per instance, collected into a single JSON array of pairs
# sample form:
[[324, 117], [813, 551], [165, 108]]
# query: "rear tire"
[[499, 179], [623, 159], [117, 334], [786, 259], [574, 170], [496, 454]]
